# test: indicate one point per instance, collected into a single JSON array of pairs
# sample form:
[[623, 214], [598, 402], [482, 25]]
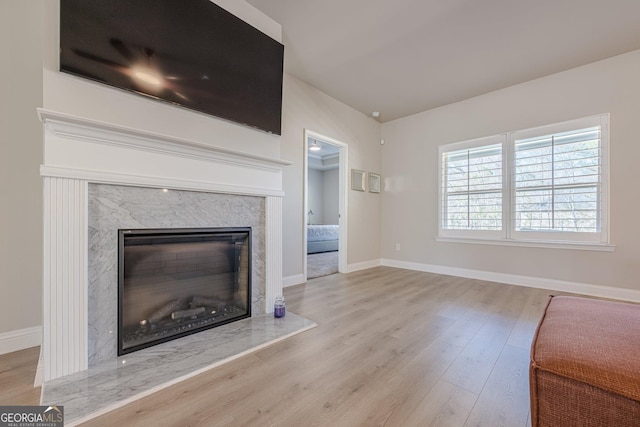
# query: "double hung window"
[[547, 184], [472, 187]]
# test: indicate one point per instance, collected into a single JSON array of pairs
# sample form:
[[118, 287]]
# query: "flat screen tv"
[[190, 53]]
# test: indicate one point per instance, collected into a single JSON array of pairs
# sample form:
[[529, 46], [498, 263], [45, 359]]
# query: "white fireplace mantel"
[[82, 148], [80, 151]]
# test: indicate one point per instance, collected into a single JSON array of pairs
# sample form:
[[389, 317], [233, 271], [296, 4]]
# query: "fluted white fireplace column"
[[64, 341], [273, 262]]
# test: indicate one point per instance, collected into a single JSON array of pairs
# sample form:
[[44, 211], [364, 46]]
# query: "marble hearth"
[[99, 177], [110, 385]]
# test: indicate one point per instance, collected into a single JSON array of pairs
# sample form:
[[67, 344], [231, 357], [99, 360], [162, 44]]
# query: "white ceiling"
[[405, 56]]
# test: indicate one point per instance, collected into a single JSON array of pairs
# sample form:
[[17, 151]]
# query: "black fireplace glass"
[[175, 282]]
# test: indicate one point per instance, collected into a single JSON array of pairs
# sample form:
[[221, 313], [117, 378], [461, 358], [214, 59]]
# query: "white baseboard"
[[19, 340], [363, 265], [296, 279], [514, 279]]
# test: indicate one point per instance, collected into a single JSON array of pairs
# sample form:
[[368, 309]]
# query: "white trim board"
[[137, 180], [296, 279], [518, 280], [364, 265], [97, 132], [20, 339]]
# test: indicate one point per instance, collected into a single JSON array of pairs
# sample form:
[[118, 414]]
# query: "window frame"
[[470, 144], [509, 235]]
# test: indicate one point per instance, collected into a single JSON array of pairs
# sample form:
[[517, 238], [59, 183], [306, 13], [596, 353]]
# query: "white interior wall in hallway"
[[315, 189], [330, 196], [323, 196]]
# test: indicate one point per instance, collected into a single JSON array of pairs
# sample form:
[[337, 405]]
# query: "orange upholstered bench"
[[585, 364]]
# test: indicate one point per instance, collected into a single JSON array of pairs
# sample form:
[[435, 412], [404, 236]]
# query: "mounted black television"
[[190, 53]]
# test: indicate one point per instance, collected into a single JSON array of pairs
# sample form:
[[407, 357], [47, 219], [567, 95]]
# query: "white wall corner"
[[611, 292], [20, 339]]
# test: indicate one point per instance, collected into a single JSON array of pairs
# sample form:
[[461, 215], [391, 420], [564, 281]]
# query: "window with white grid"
[[542, 184], [472, 187]]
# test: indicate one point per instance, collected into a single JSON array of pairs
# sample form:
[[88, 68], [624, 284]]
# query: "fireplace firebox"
[[175, 282]]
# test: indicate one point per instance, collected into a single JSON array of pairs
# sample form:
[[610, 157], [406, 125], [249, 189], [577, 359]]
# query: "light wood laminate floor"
[[393, 347], [17, 372]]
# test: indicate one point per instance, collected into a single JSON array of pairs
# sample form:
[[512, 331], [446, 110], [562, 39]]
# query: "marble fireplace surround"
[[91, 163], [112, 207]]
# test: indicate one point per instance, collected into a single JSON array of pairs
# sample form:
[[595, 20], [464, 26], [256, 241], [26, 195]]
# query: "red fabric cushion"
[[591, 341]]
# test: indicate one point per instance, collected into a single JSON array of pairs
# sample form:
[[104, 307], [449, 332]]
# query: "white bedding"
[[318, 233], [322, 238]]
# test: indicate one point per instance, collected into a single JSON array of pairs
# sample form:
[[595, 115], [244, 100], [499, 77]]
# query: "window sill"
[[600, 247]]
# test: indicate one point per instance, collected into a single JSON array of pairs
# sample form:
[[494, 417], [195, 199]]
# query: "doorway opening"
[[325, 181]]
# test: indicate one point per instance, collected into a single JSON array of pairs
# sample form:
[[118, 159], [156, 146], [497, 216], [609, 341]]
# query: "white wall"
[[410, 172], [330, 196], [307, 108], [20, 157], [323, 195], [315, 190]]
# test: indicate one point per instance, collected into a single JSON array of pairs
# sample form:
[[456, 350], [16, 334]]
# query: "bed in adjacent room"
[[322, 238]]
